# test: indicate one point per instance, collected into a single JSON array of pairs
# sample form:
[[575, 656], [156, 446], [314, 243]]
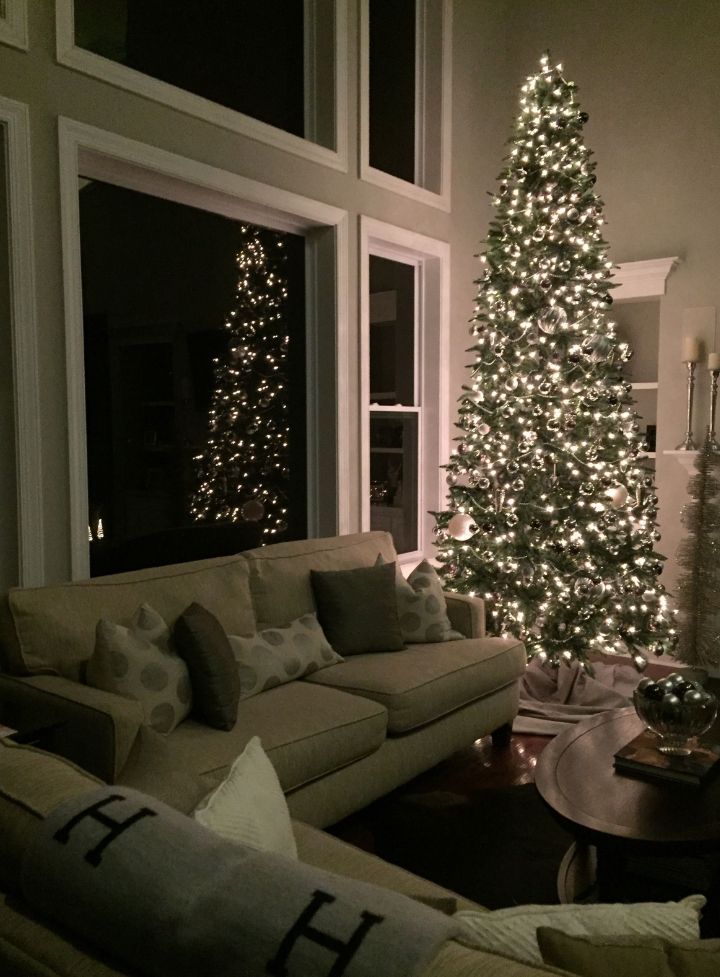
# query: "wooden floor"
[[479, 766]]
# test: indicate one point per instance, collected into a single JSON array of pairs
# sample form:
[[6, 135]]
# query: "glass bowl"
[[676, 710]]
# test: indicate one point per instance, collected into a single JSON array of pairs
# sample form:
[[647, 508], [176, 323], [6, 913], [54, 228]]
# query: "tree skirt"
[[551, 698], [497, 846]]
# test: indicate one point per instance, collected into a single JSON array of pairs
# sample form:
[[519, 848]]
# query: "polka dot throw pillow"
[[136, 661], [278, 655], [421, 606]]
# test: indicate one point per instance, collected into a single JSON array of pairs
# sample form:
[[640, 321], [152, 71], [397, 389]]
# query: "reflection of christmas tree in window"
[[551, 517], [243, 472]]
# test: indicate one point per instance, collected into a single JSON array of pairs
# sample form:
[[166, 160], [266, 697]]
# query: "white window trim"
[[15, 118], [13, 27], [121, 76], [95, 153], [431, 258], [425, 147]]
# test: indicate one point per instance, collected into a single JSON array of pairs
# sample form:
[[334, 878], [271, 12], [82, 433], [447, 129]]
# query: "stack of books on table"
[[641, 758]]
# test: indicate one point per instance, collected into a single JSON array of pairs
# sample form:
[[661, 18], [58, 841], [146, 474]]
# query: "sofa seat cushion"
[[307, 731], [54, 627], [423, 682], [280, 573]]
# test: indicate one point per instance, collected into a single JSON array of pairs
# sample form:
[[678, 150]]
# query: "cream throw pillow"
[[278, 655], [512, 932], [421, 606], [137, 662], [249, 806]]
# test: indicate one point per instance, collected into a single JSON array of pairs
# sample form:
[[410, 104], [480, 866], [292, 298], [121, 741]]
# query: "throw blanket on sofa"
[[168, 897]]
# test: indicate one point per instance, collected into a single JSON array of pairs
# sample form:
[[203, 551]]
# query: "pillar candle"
[[690, 349], [714, 361]]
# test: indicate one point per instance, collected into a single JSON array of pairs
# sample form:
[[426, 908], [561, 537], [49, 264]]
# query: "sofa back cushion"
[[280, 574], [53, 628]]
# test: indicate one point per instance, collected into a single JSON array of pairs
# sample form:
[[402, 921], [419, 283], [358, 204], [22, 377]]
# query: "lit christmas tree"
[[551, 518], [243, 472]]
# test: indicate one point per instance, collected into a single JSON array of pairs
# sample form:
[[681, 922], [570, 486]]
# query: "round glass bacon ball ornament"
[[676, 710]]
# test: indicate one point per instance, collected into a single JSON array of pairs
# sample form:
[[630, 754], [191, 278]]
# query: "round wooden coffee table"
[[627, 819]]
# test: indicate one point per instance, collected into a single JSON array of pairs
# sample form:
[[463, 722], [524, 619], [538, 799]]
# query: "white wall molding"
[[86, 62], [102, 155], [433, 116], [639, 280], [13, 26], [14, 117], [431, 257]]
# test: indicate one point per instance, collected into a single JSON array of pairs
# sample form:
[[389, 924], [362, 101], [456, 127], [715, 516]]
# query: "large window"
[[395, 413], [405, 96], [169, 346], [404, 382], [267, 70], [13, 23], [8, 491]]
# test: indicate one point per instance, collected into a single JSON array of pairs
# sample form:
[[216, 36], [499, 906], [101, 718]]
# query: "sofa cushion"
[[358, 608], [306, 730], [137, 662], [424, 682], [55, 626], [280, 654], [201, 641], [32, 783], [280, 573]]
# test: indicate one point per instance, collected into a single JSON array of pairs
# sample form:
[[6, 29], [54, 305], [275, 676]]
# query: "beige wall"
[[648, 76]]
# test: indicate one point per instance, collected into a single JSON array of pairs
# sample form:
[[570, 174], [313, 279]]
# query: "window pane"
[[394, 477], [392, 87], [392, 332], [164, 295], [245, 56]]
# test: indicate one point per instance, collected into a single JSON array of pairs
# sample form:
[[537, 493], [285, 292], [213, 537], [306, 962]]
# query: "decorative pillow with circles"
[[421, 606], [278, 655], [136, 661]]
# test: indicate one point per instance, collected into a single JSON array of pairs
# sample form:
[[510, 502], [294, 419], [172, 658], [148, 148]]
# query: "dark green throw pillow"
[[201, 641], [358, 608]]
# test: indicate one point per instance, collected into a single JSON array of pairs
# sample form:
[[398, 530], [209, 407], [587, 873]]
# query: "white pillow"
[[512, 932], [249, 806]]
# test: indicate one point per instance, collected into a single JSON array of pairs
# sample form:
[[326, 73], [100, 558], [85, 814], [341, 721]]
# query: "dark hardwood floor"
[[479, 766]]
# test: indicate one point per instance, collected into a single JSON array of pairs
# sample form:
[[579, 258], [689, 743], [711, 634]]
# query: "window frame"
[[14, 25], [433, 75], [15, 119], [89, 63], [88, 151], [431, 259]]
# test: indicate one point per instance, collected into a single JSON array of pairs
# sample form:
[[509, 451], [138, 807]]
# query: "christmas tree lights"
[[243, 472], [551, 517]]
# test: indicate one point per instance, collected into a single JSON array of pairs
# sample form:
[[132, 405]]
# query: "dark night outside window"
[[159, 280]]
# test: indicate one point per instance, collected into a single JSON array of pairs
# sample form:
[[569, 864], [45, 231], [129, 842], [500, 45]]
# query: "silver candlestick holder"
[[711, 440], [689, 443]]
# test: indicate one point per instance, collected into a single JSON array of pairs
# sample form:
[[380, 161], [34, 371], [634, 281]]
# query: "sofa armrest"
[[467, 614], [94, 729]]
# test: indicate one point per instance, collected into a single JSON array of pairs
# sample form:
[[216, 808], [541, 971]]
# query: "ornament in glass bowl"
[[676, 710]]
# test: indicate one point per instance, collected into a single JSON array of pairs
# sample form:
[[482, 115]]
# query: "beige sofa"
[[32, 783], [339, 739]]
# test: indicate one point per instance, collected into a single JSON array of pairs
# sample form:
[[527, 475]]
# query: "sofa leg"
[[501, 735]]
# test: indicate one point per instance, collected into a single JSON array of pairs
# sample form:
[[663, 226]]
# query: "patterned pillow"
[[421, 606], [278, 655], [137, 662]]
